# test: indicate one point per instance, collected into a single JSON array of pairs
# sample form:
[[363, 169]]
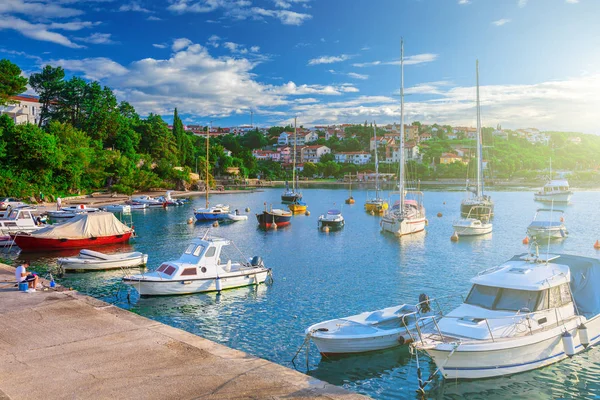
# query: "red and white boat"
[[81, 231]]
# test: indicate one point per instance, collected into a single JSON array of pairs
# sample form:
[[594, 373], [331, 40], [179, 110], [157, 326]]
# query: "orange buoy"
[[597, 245], [439, 214], [562, 219], [526, 240], [454, 237]]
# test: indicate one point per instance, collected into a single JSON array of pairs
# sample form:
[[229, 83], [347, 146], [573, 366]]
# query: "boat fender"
[[401, 340], [424, 303], [584, 337], [568, 343], [256, 261], [218, 284]]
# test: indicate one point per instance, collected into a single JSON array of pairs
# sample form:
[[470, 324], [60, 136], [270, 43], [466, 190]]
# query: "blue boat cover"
[[334, 212]]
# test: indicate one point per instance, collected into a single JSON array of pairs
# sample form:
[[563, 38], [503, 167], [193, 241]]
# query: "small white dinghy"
[[369, 331], [118, 208], [471, 226], [90, 260], [548, 224], [236, 216]]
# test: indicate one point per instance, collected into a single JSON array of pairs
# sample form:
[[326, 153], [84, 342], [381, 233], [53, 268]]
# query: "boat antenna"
[[401, 172], [479, 150]]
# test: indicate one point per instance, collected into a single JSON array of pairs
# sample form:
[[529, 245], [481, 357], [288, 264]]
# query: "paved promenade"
[[64, 345]]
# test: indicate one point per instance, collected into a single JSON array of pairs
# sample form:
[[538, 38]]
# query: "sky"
[[324, 61]]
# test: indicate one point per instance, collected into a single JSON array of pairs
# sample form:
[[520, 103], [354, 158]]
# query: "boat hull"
[[32, 243], [266, 219], [333, 225], [101, 265], [335, 346], [553, 198], [402, 227], [291, 198], [377, 208], [499, 359], [182, 287], [477, 210], [471, 230], [297, 208], [553, 234], [211, 216]]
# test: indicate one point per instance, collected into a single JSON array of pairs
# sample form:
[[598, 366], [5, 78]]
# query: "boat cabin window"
[[188, 272], [162, 267], [211, 251], [166, 269], [494, 298], [24, 215], [190, 248], [559, 296], [198, 250]]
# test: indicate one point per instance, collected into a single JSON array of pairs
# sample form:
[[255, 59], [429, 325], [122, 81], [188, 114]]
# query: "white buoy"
[[215, 224], [307, 213], [454, 237], [568, 344], [247, 209], [584, 337], [190, 220], [274, 226], [326, 229], [218, 284]]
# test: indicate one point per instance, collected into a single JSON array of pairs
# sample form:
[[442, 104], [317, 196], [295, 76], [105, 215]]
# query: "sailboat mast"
[[207, 184], [401, 173], [294, 161], [479, 151], [376, 161]]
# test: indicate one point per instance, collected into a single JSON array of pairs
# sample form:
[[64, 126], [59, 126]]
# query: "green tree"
[[11, 82], [310, 170], [48, 84], [327, 157]]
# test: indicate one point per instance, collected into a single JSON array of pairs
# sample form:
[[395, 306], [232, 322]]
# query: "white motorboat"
[[548, 224], [201, 268], [148, 201], [137, 206], [526, 313], [407, 215], [20, 219], [471, 226], [556, 191], [89, 260], [368, 331], [118, 208], [236, 216], [332, 220], [168, 200], [71, 211]]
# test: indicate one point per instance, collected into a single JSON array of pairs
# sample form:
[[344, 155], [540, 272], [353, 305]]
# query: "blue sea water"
[[320, 276]]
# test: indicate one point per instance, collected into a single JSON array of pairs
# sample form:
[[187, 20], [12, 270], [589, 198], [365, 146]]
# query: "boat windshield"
[[494, 298]]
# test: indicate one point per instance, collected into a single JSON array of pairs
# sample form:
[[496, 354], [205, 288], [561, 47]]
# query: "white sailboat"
[[407, 215], [477, 198], [555, 191], [376, 205]]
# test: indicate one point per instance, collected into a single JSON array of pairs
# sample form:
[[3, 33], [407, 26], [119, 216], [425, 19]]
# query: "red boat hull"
[[32, 243]]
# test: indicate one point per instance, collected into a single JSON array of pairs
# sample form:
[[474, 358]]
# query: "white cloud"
[[180, 44], [153, 18], [255, 49], [522, 3], [97, 38], [329, 59], [72, 25], [159, 45], [408, 60], [93, 68], [462, 2], [501, 22], [214, 41], [357, 76], [31, 8], [572, 1], [286, 17], [35, 31], [135, 7]]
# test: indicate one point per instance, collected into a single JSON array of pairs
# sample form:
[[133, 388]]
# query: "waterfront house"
[[449, 158], [25, 110], [423, 137], [313, 153], [411, 152], [353, 157]]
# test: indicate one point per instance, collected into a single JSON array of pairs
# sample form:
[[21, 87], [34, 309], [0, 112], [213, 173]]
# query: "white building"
[[311, 137], [411, 152], [313, 153], [284, 139], [27, 110], [353, 157]]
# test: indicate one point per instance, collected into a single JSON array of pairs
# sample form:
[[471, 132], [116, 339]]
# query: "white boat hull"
[[556, 198], [178, 287], [509, 357], [548, 233], [76, 263], [126, 209], [329, 346], [472, 230], [235, 217], [403, 227]]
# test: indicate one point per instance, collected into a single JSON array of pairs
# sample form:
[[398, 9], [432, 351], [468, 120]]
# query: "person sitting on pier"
[[22, 276]]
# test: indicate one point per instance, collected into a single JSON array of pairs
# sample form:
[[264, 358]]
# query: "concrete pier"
[[62, 344]]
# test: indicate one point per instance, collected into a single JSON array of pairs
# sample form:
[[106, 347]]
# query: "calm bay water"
[[321, 276]]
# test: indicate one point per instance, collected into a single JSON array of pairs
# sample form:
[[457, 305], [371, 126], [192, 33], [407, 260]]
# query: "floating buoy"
[[584, 337], [326, 229], [216, 224], [439, 214], [372, 212], [568, 344], [190, 220], [274, 226], [597, 245], [426, 222], [526, 240], [454, 237], [247, 209], [444, 203], [307, 213]]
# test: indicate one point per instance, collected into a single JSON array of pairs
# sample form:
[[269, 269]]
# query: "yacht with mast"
[[291, 196], [407, 215], [376, 205], [297, 205], [350, 199], [217, 212], [477, 200]]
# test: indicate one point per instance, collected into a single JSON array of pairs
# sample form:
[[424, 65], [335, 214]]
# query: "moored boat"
[[201, 268], [470, 226], [6, 241], [148, 201], [236, 216], [524, 314], [20, 219], [333, 220], [293, 196], [82, 231], [274, 217], [376, 205], [298, 207], [71, 211], [548, 224], [118, 208], [89, 260], [556, 191]]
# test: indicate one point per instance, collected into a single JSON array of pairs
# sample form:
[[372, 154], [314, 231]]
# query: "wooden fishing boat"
[[274, 218]]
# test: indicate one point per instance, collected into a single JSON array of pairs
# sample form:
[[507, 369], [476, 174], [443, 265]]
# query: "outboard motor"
[[424, 303], [256, 261]]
